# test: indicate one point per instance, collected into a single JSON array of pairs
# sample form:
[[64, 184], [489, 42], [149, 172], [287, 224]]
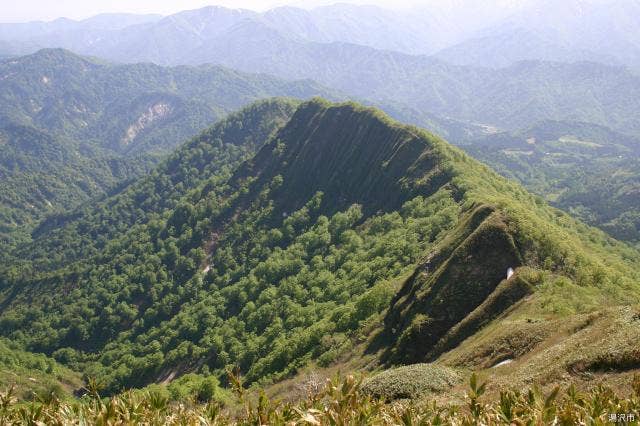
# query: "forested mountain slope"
[[75, 128], [203, 163], [512, 97], [42, 173], [127, 108], [342, 218]]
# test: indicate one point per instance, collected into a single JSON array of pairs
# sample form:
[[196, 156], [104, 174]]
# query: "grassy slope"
[[585, 288], [30, 374]]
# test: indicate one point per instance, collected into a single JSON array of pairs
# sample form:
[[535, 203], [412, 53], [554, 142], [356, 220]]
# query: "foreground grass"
[[340, 402], [34, 375]]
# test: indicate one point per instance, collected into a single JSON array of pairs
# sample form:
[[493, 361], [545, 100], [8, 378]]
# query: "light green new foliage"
[[327, 275]]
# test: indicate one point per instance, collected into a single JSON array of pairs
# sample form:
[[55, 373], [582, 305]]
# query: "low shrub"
[[411, 381]]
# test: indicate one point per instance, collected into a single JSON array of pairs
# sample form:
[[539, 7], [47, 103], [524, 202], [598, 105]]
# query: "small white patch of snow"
[[501, 363], [510, 273]]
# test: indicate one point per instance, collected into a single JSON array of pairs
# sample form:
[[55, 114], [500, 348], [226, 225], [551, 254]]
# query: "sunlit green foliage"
[[341, 401], [33, 376]]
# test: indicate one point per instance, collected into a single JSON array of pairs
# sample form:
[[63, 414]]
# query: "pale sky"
[[47, 10]]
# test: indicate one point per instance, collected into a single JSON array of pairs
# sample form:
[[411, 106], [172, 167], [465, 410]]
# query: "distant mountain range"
[[496, 33], [512, 97], [140, 111], [567, 30], [357, 50], [112, 122], [462, 32], [170, 37]]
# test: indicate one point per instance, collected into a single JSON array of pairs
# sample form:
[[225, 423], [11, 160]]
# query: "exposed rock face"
[[154, 113]]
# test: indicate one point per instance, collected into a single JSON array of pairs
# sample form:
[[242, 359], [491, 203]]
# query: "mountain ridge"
[[116, 121], [309, 279]]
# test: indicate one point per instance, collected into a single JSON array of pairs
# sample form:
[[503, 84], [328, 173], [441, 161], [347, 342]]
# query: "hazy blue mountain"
[[567, 31], [162, 42], [495, 33], [61, 32], [296, 44], [16, 48], [364, 25], [510, 45], [117, 21], [513, 97], [114, 36]]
